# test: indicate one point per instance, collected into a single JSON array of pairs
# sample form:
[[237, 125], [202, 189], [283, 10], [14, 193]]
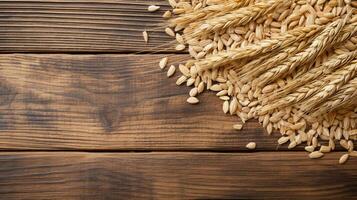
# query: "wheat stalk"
[[252, 71], [327, 67], [297, 96], [325, 39], [210, 11], [345, 96], [335, 81], [264, 46], [315, 91], [347, 32], [256, 68], [237, 17], [247, 71]]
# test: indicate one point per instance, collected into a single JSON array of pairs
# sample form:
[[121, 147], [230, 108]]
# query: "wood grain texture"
[[82, 26], [110, 102], [58, 175]]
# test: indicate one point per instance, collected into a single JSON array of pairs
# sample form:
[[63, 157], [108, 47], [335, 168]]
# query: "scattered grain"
[[309, 148], [170, 32], [153, 8], [315, 154], [239, 127], [343, 159], [251, 145], [180, 47], [171, 71], [181, 80], [163, 62], [192, 100], [193, 92], [167, 15], [146, 36]]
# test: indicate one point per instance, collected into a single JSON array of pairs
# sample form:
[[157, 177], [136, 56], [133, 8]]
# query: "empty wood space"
[[82, 26], [86, 113], [62, 175]]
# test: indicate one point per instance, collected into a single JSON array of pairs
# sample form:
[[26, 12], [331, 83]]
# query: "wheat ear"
[[327, 67], [297, 96], [335, 81], [251, 71], [238, 17], [213, 10], [322, 41], [345, 96], [264, 46], [254, 69], [315, 90]]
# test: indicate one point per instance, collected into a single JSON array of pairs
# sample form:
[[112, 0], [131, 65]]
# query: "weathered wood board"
[[82, 26], [110, 102], [70, 175]]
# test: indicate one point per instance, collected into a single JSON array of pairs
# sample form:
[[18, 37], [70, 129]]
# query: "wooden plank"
[[289, 175], [110, 102], [81, 26]]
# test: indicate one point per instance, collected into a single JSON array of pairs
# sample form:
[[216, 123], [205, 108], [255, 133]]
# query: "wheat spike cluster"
[[290, 64]]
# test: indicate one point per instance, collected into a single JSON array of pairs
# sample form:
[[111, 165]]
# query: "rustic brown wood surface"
[[110, 102], [72, 115], [81, 26], [61, 175]]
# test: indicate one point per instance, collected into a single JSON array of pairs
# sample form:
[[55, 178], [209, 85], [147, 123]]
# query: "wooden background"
[[86, 113]]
